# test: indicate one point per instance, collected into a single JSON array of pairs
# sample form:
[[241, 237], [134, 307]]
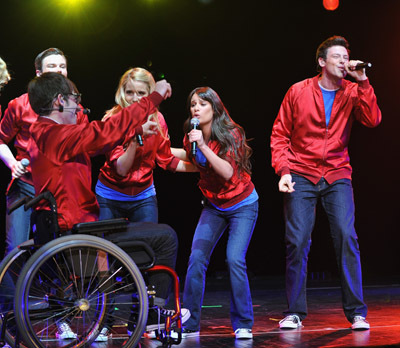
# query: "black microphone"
[[361, 66], [25, 163], [194, 122], [139, 139], [85, 111]]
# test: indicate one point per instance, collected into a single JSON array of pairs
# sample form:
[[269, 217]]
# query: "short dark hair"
[[44, 88], [49, 52], [324, 46]]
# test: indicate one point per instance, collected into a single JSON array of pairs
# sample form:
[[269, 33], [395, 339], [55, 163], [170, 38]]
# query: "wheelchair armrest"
[[17, 204], [100, 227]]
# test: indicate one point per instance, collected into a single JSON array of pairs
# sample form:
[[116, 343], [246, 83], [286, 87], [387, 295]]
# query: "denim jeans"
[[18, 223], [299, 209], [136, 211], [212, 224], [164, 242]]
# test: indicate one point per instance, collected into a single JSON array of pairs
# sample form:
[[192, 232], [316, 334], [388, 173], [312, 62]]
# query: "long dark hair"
[[229, 134]]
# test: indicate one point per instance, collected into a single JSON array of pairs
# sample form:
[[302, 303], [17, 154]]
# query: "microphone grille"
[[25, 162], [194, 121]]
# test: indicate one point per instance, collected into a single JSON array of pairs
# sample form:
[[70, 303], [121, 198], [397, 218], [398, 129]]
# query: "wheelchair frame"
[[73, 276]]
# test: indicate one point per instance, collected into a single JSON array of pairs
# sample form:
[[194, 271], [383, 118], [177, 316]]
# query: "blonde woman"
[[125, 187], [4, 75]]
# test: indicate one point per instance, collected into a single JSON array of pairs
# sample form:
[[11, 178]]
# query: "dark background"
[[250, 52]]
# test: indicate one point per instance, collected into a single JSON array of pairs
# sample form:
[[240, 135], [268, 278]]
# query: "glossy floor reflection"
[[325, 325]]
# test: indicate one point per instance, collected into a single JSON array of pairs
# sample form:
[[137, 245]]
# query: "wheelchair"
[[84, 280]]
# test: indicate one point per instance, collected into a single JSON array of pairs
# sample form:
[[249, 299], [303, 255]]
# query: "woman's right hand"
[[197, 136], [149, 128]]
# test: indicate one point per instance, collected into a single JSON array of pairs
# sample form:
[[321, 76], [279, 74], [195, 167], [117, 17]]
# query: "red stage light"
[[331, 5]]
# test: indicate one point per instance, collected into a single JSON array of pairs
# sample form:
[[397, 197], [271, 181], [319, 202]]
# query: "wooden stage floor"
[[325, 325]]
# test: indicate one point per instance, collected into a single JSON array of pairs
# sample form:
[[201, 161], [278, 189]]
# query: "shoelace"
[[293, 318], [359, 318], [167, 312]]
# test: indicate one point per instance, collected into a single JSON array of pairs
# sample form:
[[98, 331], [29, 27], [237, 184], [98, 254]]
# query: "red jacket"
[[302, 143], [223, 193], [16, 122], [61, 164], [155, 149]]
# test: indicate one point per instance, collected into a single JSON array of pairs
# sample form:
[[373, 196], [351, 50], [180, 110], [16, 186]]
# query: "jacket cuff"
[[364, 83], [284, 171], [156, 98], [174, 163], [139, 130]]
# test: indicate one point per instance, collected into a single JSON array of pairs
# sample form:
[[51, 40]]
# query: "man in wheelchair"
[[60, 153]]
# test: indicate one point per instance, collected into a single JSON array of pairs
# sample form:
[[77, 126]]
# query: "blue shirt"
[[106, 192], [253, 197], [329, 97]]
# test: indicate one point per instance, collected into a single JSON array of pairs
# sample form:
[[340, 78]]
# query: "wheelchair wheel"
[[85, 282], [10, 270]]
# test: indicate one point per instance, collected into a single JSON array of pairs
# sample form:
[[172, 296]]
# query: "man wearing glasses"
[[15, 125]]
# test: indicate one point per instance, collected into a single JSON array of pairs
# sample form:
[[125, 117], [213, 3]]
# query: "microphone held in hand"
[[361, 66], [139, 139], [194, 122], [25, 163]]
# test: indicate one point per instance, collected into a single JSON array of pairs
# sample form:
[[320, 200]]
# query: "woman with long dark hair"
[[231, 204]]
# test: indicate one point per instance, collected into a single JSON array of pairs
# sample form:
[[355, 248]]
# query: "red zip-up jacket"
[[222, 193], [17, 119], [60, 158], [301, 142], [156, 148]]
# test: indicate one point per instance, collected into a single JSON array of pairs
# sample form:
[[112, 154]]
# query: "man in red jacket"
[[309, 144], [59, 150], [15, 125]]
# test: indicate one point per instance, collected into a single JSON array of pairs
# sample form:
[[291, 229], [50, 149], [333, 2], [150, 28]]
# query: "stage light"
[[72, 5], [330, 5]]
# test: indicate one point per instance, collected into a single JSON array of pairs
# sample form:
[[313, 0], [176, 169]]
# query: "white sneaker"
[[290, 322], [64, 332], [359, 323], [104, 335], [243, 334], [185, 315]]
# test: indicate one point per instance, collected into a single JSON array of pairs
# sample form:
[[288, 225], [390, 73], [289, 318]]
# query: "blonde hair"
[[134, 74], [4, 75]]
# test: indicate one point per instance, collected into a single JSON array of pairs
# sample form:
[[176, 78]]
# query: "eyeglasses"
[[76, 97]]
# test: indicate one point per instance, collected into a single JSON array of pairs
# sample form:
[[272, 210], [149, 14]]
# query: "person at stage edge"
[[125, 188], [231, 203], [15, 124], [4, 76], [309, 145], [59, 151]]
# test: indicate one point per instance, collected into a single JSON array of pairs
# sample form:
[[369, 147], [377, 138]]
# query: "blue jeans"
[[18, 223], [145, 210], [299, 209], [211, 226]]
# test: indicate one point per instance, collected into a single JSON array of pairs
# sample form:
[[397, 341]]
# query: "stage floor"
[[325, 325]]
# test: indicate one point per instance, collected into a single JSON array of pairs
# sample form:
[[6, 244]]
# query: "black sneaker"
[[186, 333], [156, 319]]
